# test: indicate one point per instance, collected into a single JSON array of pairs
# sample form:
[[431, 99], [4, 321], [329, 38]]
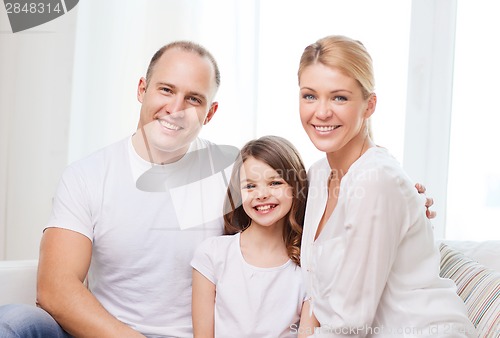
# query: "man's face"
[[176, 103]]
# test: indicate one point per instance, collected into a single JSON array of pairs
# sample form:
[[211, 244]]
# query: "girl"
[[368, 254], [249, 283]]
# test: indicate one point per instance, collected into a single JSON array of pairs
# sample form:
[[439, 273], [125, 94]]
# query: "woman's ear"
[[372, 104]]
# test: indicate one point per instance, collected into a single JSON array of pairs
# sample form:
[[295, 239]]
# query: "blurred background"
[[68, 88]]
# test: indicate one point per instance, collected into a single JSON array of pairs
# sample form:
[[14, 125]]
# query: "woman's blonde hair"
[[346, 54]]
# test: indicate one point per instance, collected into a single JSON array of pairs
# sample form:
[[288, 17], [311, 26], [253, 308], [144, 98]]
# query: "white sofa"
[[474, 266], [18, 281], [486, 252]]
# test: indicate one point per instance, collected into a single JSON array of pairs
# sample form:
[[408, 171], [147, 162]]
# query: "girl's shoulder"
[[219, 242]]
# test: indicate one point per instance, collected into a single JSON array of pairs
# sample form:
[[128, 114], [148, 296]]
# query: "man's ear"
[[141, 89], [372, 104], [211, 112]]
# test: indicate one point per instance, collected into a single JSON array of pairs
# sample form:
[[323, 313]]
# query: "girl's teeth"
[[263, 207]]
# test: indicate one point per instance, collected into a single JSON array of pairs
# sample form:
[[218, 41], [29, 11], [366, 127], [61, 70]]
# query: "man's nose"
[[176, 108]]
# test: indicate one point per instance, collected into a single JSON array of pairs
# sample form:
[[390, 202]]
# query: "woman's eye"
[[340, 98], [308, 96]]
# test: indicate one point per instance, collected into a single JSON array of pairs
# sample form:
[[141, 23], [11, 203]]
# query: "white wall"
[[35, 90]]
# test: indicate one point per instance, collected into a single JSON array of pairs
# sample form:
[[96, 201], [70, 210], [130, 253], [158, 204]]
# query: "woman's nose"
[[323, 110]]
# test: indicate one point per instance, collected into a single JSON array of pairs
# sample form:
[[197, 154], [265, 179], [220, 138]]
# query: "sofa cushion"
[[478, 286]]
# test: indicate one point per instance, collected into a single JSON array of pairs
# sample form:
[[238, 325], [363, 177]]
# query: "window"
[[473, 211], [271, 57]]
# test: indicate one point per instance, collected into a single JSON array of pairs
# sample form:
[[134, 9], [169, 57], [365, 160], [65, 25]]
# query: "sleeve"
[[204, 259], [376, 218], [71, 204]]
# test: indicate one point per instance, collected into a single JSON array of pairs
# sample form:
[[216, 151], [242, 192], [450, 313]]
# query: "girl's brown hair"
[[282, 156]]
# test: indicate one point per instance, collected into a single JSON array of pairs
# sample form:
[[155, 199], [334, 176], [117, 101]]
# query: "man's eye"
[[194, 100], [166, 90]]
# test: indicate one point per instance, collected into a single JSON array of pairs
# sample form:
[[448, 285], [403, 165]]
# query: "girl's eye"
[[276, 183], [248, 186], [340, 98]]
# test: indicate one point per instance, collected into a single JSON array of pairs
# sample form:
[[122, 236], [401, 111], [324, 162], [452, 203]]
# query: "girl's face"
[[332, 108], [267, 197]]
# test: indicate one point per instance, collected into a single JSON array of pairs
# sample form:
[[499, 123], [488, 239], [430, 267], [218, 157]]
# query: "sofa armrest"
[[18, 281], [486, 253]]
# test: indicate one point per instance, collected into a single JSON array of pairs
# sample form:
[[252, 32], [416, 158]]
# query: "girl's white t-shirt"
[[250, 301]]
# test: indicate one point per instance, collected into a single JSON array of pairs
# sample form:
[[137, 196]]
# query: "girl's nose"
[[262, 193]]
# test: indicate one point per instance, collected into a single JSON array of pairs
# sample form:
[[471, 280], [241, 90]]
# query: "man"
[[127, 243]]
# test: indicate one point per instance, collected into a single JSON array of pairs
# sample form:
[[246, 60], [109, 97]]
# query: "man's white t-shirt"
[[250, 302], [141, 245]]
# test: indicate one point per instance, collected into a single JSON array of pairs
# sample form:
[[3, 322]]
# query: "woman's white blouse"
[[374, 269]]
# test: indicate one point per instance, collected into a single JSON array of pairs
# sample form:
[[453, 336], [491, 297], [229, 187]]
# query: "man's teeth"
[[326, 128], [169, 125], [264, 207]]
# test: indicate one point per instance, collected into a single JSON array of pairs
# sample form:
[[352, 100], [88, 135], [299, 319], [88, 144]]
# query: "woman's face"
[[332, 108]]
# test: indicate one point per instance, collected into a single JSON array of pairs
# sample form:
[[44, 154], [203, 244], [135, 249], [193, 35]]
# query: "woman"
[[370, 264]]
